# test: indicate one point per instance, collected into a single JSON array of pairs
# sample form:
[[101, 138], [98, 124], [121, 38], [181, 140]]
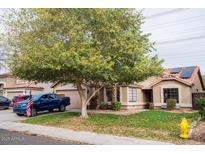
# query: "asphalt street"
[[15, 138]]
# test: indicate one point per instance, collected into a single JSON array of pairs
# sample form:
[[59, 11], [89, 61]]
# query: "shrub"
[[201, 103], [146, 106], [116, 106], [103, 106], [171, 104], [151, 106]]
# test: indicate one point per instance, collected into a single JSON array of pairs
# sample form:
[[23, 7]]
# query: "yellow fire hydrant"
[[184, 128]]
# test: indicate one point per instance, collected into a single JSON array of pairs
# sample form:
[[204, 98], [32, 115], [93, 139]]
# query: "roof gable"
[[185, 75]]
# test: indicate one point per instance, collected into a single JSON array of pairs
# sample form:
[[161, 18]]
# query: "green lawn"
[[155, 125]]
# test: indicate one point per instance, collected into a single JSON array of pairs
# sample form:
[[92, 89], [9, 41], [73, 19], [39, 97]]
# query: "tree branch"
[[93, 94]]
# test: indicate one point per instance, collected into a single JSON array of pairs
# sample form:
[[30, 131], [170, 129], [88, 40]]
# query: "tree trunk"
[[84, 100], [84, 113]]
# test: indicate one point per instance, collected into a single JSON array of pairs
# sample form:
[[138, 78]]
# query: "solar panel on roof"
[[175, 70], [187, 72]]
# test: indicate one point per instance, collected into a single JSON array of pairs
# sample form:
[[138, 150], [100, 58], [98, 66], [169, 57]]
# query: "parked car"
[[42, 102], [19, 98], [4, 102]]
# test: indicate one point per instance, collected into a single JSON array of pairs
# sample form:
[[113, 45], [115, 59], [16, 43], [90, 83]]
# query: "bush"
[[151, 106], [116, 106], [171, 104], [201, 103], [146, 106], [103, 106]]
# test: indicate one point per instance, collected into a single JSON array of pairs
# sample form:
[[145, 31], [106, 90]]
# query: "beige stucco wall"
[[46, 87], [7, 81], [74, 98], [131, 105], [123, 95], [3, 81], [101, 95], [185, 95], [10, 81], [197, 87]]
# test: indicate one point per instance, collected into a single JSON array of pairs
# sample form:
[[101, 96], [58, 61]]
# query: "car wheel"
[[62, 108], [51, 110], [19, 114], [33, 112]]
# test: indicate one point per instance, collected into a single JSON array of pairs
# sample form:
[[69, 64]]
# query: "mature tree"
[[80, 46]]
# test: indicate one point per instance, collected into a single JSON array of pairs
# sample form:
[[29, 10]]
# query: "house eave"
[[170, 79]]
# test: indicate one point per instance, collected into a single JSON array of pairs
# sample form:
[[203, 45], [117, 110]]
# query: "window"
[[171, 93], [45, 97], [132, 94], [52, 96]]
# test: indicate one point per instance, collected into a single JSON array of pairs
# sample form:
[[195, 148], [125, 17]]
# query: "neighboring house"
[[11, 86], [176, 83]]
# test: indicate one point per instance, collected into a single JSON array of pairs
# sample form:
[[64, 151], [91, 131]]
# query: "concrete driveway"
[[9, 116]]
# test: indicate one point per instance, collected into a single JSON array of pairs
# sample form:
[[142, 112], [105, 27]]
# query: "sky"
[[179, 35]]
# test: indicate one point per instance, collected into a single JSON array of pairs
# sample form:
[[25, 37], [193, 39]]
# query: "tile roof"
[[168, 75], [23, 85], [5, 75]]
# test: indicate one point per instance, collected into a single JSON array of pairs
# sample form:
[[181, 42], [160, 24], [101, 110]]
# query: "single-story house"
[[175, 83], [10, 86]]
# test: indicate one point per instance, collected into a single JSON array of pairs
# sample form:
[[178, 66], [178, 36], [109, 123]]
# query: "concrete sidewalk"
[[83, 137]]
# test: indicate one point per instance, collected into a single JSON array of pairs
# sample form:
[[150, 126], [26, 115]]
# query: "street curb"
[[80, 136]]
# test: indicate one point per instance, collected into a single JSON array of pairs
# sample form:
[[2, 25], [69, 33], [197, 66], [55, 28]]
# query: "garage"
[[11, 94], [74, 98]]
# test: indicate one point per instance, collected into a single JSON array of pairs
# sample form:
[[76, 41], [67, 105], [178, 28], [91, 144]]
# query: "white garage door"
[[74, 98], [11, 94]]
